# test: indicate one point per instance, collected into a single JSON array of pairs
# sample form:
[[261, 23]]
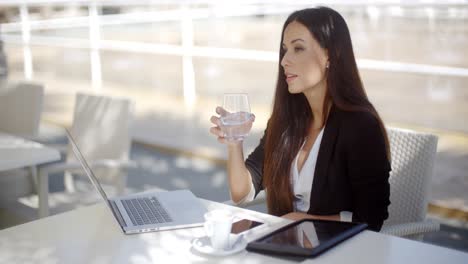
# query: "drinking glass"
[[236, 119]]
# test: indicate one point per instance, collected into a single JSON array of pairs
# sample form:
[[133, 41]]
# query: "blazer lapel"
[[327, 147]]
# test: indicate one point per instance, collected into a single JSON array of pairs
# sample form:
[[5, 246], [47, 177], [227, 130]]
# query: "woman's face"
[[304, 62]]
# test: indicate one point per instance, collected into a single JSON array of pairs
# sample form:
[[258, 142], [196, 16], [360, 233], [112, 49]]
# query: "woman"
[[325, 152]]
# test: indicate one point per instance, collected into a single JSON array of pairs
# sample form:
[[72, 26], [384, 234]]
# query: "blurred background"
[[175, 59]]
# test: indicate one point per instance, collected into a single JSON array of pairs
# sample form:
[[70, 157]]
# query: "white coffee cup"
[[218, 224]]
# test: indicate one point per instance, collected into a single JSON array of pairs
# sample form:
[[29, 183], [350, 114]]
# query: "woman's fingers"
[[221, 111], [215, 120], [222, 140], [217, 131]]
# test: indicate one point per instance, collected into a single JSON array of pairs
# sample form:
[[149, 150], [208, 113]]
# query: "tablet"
[[306, 238]]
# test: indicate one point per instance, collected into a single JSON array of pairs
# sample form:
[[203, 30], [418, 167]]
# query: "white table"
[[90, 235], [16, 152]]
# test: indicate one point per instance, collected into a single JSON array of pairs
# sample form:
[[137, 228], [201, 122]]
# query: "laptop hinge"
[[117, 214]]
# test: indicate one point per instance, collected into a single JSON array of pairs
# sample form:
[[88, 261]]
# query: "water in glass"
[[235, 122]]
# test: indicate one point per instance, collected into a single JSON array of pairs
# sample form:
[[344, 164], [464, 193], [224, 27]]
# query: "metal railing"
[[186, 12]]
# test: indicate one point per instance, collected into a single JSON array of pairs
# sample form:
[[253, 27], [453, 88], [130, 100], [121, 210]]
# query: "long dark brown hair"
[[292, 116]]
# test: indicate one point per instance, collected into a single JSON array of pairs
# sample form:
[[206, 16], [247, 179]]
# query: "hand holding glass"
[[236, 119]]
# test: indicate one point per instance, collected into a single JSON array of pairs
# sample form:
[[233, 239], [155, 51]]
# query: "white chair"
[[101, 129], [20, 108], [20, 113], [413, 155]]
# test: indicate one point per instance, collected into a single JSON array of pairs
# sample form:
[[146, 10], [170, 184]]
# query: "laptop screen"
[[86, 167]]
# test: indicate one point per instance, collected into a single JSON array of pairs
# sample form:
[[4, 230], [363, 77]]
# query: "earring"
[[328, 65]]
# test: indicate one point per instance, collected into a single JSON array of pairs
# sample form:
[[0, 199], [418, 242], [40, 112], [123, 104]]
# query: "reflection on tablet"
[[244, 225], [306, 235]]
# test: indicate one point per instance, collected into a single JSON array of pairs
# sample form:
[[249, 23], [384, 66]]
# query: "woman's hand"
[[217, 131], [294, 216]]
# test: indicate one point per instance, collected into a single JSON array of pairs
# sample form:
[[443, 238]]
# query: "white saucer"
[[203, 245]]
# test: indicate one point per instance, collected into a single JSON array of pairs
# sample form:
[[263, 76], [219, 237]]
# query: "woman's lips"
[[290, 77]]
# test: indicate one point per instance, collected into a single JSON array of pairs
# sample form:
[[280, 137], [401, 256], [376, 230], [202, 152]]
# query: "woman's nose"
[[285, 60]]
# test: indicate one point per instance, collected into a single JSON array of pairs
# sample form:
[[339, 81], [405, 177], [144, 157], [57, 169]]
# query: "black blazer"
[[351, 172]]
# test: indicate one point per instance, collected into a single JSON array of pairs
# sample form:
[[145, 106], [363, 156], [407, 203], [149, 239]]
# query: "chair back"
[[101, 129], [413, 155], [21, 108]]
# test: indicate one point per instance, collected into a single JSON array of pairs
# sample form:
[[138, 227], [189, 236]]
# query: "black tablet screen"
[[307, 234]]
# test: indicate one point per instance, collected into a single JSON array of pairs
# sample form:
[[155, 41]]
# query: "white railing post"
[[26, 37], [188, 73], [94, 39]]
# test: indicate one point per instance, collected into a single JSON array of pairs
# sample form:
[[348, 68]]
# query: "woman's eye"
[[298, 49]]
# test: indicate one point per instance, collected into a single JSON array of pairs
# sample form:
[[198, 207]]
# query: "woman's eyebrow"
[[294, 40], [298, 39]]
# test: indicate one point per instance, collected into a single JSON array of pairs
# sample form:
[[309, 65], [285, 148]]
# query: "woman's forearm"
[[238, 175], [299, 216]]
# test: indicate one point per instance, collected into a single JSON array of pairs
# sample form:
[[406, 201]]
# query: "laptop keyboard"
[[146, 211]]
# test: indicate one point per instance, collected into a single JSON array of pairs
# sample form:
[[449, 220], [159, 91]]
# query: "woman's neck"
[[316, 99]]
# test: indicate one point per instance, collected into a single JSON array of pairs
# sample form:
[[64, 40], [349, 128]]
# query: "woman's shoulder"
[[359, 126], [358, 119]]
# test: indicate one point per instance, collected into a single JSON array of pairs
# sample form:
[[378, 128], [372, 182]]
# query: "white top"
[[91, 235], [302, 181]]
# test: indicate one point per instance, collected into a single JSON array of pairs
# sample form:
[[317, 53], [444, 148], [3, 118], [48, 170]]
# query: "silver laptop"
[[148, 211]]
